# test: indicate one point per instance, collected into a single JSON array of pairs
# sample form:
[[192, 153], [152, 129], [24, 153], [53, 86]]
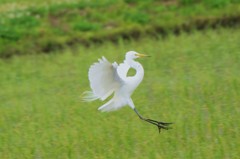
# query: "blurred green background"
[[192, 78]]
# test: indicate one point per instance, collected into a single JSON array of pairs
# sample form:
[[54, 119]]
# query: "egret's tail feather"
[[109, 106], [88, 96]]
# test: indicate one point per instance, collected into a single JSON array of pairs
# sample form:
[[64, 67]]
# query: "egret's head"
[[134, 55]]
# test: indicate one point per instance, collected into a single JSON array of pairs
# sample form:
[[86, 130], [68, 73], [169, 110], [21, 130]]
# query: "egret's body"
[[106, 78]]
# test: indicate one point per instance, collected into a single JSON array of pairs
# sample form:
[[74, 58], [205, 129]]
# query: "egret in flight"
[[107, 78]]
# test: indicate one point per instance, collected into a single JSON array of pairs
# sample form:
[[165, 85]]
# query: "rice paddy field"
[[192, 80], [44, 26]]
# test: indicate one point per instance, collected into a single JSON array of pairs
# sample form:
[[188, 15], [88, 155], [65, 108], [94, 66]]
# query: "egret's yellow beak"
[[142, 55]]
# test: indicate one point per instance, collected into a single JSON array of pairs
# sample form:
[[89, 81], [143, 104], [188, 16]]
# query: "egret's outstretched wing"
[[104, 79]]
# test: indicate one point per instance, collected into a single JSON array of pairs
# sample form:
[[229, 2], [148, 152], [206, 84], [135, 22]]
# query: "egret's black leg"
[[160, 125]]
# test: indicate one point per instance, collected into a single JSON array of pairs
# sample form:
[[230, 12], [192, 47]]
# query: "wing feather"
[[122, 70], [104, 79]]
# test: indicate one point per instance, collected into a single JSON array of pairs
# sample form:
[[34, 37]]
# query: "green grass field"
[[191, 80], [41, 26]]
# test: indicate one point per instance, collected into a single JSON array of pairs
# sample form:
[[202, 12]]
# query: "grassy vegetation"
[[32, 27], [191, 80]]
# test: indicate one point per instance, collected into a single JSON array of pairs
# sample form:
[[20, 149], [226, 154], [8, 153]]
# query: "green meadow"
[[192, 80], [41, 26]]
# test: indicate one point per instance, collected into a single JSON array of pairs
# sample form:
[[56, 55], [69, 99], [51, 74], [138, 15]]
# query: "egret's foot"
[[160, 125]]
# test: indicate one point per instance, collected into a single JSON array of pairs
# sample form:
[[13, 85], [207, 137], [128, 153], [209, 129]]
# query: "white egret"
[[107, 78]]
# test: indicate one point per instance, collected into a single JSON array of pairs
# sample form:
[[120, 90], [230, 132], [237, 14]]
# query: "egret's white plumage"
[[107, 78]]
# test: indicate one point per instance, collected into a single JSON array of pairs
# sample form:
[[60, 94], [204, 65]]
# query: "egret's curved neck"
[[139, 69]]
